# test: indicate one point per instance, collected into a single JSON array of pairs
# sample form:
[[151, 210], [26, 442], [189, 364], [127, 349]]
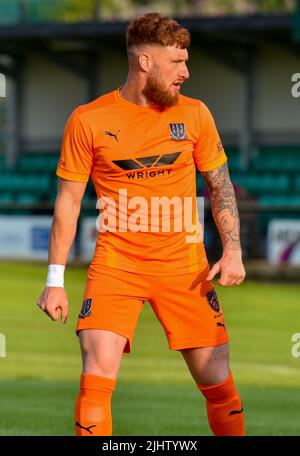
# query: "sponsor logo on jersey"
[[177, 131], [86, 308], [152, 161], [212, 300]]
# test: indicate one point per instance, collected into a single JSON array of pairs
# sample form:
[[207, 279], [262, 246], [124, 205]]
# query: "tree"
[[87, 10]]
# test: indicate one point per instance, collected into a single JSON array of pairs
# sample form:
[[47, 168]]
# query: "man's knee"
[[208, 365]]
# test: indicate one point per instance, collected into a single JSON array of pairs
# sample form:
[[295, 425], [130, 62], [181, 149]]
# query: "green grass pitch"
[[155, 394]]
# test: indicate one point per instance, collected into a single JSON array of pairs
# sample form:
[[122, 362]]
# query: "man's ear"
[[145, 61]]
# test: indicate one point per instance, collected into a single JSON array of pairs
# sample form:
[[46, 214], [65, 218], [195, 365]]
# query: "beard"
[[157, 93]]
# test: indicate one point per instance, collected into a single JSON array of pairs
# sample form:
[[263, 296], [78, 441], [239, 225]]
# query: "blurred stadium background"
[[245, 65]]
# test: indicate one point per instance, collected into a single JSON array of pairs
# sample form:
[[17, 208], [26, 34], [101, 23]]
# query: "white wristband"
[[55, 275]]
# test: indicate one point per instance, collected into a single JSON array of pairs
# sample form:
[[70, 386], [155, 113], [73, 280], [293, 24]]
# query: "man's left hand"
[[231, 268]]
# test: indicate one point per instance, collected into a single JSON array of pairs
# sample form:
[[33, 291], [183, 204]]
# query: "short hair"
[[152, 28]]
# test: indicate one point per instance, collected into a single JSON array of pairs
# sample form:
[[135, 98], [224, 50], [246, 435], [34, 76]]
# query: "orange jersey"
[[136, 155]]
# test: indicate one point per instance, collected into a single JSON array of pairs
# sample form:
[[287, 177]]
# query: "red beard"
[[157, 94]]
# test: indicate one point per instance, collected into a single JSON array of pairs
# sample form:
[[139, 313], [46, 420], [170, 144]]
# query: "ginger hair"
[[152, 28]]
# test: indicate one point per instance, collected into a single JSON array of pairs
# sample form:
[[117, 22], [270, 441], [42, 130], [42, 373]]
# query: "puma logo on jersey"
[[236, 412], [221, 324], [88, 429], [114, 135]]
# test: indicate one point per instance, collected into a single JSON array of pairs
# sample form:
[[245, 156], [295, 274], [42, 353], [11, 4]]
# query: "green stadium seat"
[[27, 198], [38, 162], [6, 198], [16, 182], [200, 183], [288, 201], [291, 163], [234, 164], [10, 12], [5, 182], [39, 183], [45, 10], [280, 150], [295, 200], [297, 183], [276, 163], [272, 200], [262, 183], [234, 159], [277, 158]]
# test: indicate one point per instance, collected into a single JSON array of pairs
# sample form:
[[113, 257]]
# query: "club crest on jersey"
[[177, 131], [86, 308], [213, 302]]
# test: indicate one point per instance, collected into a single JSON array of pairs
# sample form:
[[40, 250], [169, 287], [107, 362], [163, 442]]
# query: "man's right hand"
[[54, 301]]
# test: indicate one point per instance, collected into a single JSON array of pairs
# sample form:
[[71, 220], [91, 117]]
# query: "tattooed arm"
[[223, 206], [226, 217]]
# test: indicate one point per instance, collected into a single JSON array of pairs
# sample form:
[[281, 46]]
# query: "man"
[[138, 143]]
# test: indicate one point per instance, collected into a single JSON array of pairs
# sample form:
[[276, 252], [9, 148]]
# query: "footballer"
[[146, 140]]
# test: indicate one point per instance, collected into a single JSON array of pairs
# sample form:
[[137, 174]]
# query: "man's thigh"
[[112, 301], [189, 310]]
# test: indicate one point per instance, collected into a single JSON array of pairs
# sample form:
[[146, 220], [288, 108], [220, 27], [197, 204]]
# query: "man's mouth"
[[177, 85]]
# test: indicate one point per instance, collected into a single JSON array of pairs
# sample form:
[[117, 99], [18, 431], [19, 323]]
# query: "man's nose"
[[184, 73]]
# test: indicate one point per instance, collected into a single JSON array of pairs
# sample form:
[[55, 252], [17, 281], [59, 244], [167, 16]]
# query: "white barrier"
[[283, 242], [24, 237]]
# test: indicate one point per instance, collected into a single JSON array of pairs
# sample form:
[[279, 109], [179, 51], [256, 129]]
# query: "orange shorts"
[[186, 305]]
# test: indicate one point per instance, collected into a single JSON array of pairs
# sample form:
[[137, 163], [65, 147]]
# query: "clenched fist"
[[54, 301]]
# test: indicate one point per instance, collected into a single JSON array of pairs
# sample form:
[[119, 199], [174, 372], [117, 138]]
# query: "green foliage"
[[89, 10], [226, 6], [273, 5], [59, 10]]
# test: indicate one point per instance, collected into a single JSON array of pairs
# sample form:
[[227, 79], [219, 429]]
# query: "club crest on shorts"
[[86, 308], [213, 302], [177, 131]]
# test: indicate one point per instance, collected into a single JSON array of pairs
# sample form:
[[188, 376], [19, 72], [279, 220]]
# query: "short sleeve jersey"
[[142, 162]]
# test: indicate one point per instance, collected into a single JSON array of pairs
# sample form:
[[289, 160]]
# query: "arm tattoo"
[[223, 206]]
